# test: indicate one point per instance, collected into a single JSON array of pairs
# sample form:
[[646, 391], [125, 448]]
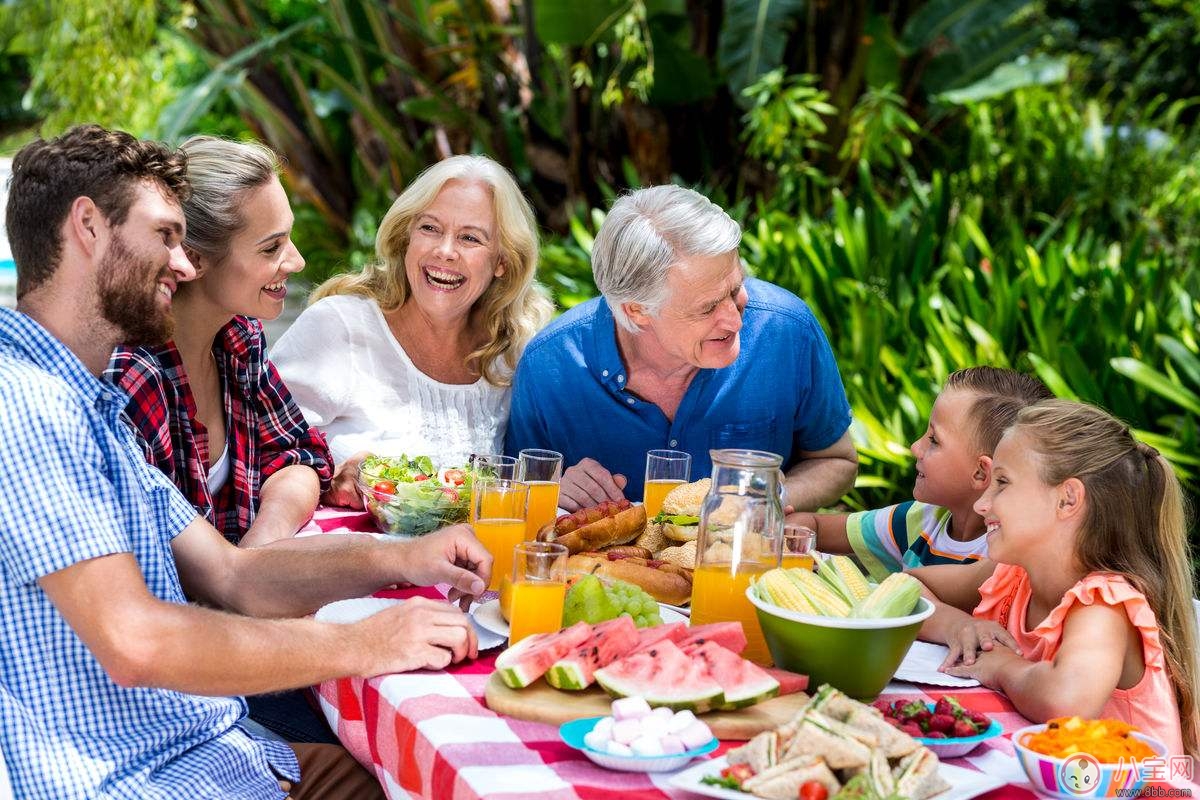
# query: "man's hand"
[[588, 483], [974, 637], [417, 634], [343, 490], [452, 555]]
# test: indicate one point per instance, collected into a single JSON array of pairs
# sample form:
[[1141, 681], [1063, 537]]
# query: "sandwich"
[[841, 746], [833, 703], [783, 781], [760, 753], [679, 519], [917, 775]]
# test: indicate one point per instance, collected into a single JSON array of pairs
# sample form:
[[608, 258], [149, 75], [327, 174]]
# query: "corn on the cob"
[[774, 587], [895, 597], [826, 601], [840, 573]]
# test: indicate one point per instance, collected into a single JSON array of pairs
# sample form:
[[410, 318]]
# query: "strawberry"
[[895, 723], [912, 729], [979, 719], [882, 706], [936, 735], [943, 707], [962, 729], [941, 722], [923, 717]]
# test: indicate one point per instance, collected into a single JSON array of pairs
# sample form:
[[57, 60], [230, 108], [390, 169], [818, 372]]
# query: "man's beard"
[[129, 300]]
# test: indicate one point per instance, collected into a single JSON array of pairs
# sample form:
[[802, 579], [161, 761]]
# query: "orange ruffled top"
[[1149, 705]]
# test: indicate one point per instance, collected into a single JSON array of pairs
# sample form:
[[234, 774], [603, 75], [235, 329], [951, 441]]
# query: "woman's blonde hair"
[[1123, 479], [220, 172], [513, 308]]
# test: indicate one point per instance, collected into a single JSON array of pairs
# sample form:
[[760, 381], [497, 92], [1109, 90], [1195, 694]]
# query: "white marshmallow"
[[695, 735], [604, 727], [595, 741], [626, 730], [630, 708], [653, 726], [671, 744], [618, 749], [646, 746], [664, 713], [680, 720]]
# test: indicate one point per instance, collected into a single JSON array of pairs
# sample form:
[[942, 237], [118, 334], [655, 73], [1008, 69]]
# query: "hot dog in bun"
[[611, 522], [662, 580]]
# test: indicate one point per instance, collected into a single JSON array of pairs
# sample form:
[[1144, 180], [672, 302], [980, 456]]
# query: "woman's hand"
[[343, 490], [973, 637]]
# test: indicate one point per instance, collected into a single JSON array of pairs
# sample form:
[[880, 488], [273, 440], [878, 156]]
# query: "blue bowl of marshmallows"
[[636, 738]]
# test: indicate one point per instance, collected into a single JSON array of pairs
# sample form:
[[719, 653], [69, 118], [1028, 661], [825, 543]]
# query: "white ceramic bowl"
[[573, 732], [1074, 777]]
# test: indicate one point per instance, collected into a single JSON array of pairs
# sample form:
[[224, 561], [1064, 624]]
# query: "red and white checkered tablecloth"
[[429, 735]]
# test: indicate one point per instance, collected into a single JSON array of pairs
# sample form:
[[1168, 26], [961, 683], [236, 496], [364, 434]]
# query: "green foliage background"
[[945, 182]]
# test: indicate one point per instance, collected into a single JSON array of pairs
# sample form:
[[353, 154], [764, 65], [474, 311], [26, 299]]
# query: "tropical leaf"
[[955, 19], [752, 40], [1041, 70], [576, 22], [1151, 379]]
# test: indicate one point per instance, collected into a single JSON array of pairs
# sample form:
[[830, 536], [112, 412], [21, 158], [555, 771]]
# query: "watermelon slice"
[[742, 682], [727, 634], [674, 631], [664, 676], [789, 682], [528, 660], [609, 641]]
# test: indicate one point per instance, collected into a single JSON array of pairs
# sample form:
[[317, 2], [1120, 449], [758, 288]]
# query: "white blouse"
[[353, 380]]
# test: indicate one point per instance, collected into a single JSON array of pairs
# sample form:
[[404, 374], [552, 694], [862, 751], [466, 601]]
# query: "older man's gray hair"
[[646, 233]]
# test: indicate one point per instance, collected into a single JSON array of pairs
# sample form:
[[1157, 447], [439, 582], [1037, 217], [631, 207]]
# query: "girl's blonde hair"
[[1124, 478], [513, 308]]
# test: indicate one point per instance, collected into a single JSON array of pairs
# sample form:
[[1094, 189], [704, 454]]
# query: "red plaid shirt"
[[266, 431]]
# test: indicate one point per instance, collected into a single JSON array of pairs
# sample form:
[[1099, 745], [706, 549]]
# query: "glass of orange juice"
[[539, 586], [499, 521], [665, 469], [799, 546], [491, 465], [542, 470]]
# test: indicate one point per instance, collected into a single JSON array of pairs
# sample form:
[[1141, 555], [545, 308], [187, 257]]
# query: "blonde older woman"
[[415, 354]]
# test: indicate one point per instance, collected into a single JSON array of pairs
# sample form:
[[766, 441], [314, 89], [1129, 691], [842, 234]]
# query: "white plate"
[[964, 783], [348, 611], [920, 665], [487, 615]]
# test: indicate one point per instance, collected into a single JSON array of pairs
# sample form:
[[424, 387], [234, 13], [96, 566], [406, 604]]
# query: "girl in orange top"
[[1085, 606]]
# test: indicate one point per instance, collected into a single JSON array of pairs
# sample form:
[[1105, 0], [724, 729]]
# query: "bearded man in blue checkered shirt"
[[112, 684]]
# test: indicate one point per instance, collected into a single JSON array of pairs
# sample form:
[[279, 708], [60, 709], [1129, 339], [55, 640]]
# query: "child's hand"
[[973, 637], [987, 667]]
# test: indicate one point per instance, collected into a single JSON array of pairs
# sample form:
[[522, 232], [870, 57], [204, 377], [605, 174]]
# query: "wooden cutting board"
[[543, 703]]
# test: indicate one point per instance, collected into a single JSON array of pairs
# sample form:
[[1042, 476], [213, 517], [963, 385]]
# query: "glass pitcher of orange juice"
[[741, 530]]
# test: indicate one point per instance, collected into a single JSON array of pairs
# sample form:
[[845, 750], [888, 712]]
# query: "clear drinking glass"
[[665, 469], [539, 586], [499, 521], [799, 547], [542, 470], [489, 466], [741, 527]]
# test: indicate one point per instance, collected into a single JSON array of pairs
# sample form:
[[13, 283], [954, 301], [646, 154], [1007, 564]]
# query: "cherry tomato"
[[450, 493], [739, 772], [384, 487], [420, 476], [455, 476], [813, 790]]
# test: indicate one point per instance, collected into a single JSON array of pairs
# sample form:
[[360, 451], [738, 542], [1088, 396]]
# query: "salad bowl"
[[408, 497]]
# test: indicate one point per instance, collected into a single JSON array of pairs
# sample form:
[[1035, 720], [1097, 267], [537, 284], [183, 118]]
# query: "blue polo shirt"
[[782, 394]]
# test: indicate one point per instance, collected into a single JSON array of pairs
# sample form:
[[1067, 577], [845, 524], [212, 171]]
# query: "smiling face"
[[453, 252], [142, 267], [1018, 507], [251, 279], [700, 321], [947, 455]]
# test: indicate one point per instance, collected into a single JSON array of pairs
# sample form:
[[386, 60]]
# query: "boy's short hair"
[[999, 395], [86, 161]]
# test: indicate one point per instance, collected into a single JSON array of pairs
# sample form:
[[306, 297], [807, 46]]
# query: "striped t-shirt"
[[911, 534]]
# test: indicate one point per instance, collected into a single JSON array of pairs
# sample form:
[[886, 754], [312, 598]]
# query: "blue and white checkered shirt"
[[75, 487]]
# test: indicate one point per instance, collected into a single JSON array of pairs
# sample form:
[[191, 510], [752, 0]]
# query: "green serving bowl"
[[858, 656]]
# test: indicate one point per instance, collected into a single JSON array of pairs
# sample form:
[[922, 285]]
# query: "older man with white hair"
[[682, 352]]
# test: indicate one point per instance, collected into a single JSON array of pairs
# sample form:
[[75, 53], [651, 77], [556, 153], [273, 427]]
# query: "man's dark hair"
[[86, 161]]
